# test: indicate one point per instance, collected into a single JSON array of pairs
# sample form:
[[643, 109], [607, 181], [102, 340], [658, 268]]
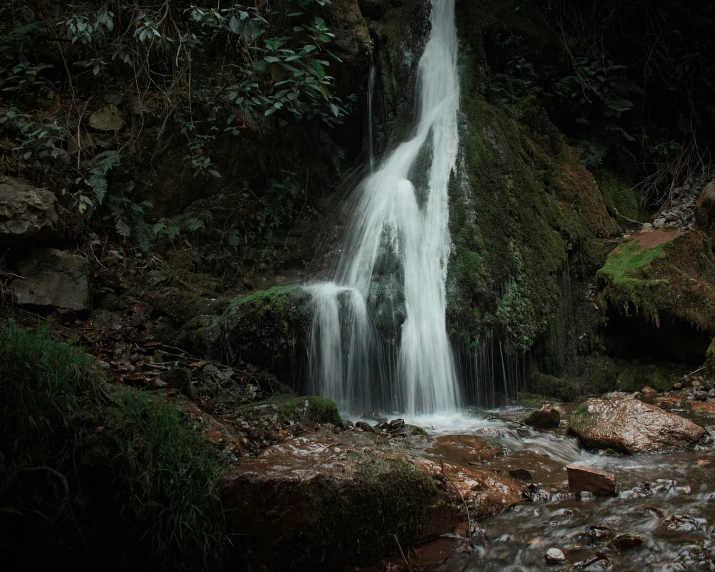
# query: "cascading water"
[[379, 332]]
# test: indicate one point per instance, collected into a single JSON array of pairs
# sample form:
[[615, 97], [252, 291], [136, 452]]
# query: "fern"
[[102, 164]]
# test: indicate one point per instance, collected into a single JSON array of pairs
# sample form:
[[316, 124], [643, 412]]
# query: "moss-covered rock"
[[621, 197], [663, 274], [268, 328], [309, 410]]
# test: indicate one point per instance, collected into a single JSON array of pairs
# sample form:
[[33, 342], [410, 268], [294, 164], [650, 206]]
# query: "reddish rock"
[[631, 426], [648, 391], [707, 407], [601, 483], [667, 402], [547, 417]]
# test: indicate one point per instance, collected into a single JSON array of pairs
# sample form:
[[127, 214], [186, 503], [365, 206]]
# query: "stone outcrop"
[[53, 278], [600, 483], [26, 212], [315, 503], [631, 426]]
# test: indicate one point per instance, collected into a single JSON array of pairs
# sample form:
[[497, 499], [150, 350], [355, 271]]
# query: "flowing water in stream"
[[379, 332], [667, 499]]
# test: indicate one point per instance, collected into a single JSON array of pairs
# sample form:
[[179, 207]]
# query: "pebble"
[[554, 555]]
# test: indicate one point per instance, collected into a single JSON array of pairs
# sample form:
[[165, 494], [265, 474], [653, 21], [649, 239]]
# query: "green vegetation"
[[660, 376], [58, 414], [44, 387], [167, 473], [191, 95]]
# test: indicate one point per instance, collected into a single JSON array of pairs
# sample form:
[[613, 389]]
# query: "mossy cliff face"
[[523, 207]]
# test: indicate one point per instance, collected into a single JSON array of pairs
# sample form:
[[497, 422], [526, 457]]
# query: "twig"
[[692, 372], [403, 554]]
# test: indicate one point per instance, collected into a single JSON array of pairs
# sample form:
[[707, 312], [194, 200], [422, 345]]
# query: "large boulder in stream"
[[631, 426], [316, 503]]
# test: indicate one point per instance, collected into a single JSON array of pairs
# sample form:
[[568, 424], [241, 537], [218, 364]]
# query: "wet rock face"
[[53, 278], [25, 212], [631, 426], [600, 483], [314, 503]]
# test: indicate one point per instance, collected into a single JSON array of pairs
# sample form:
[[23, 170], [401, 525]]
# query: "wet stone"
[[600, 483], [554, 556], [364, 426], [374, 416], [627, 541], [545, 418]]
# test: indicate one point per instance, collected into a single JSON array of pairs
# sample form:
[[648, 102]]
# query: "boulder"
[[334, 498], [108, 118], [632, 426], [705, 207], [547, 417], [601, 483], [26, 212], [53, 278]]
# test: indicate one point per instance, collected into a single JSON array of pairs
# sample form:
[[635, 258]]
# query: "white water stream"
[[392, 269]]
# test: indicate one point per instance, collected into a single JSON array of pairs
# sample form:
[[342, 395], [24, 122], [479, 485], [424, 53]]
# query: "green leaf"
[[214, 173], [234, 24]]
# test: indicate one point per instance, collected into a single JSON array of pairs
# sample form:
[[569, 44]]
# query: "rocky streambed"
[[660, 517], [613, 483]]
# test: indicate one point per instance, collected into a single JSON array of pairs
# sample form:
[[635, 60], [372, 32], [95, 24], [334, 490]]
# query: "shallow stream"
[[668, 500]]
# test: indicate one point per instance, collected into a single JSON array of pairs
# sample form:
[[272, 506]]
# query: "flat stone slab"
[[596, 481]]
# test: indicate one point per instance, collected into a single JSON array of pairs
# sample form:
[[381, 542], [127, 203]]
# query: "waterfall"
[[379, 331], [370, 93]]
